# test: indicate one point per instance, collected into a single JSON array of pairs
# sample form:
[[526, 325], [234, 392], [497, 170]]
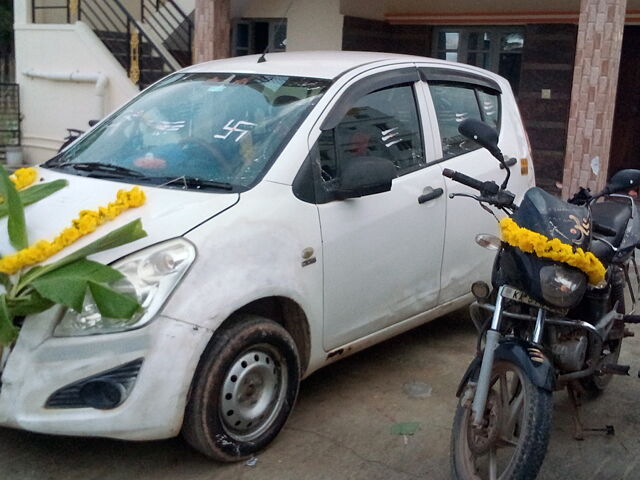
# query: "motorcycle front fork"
[[492, 340]]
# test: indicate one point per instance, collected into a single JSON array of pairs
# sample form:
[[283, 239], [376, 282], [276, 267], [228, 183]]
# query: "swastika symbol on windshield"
[[231, 128]]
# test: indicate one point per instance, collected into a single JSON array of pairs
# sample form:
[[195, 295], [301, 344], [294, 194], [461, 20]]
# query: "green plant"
[[65, 282]]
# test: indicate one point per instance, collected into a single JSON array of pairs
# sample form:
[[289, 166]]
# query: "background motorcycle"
[[543, 326]]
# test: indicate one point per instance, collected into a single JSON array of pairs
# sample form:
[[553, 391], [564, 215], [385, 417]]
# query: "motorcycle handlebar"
[[489, 191], [483, 187]]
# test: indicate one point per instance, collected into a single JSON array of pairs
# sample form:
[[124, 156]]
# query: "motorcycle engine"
[[570, 351]]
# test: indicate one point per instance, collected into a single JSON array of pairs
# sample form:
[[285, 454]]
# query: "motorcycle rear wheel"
[[513, 440]]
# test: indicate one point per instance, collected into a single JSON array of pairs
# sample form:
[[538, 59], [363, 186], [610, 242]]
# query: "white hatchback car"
[[296, 212]]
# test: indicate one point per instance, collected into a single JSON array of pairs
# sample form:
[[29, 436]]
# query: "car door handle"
[[510, 162], [430, 195]]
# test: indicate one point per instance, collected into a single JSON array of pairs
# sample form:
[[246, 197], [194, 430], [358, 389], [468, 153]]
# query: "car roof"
[[317, 64]]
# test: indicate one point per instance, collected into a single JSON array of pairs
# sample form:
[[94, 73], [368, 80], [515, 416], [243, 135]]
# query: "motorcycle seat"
[[614, 215], [602, 250]]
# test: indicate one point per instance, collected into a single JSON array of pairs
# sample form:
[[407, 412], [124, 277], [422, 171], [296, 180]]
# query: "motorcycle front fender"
[[535, 365]]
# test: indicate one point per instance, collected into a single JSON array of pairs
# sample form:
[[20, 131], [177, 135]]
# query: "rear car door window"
[[455, 102]]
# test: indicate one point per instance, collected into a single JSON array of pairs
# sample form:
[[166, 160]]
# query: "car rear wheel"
[[243, 390]]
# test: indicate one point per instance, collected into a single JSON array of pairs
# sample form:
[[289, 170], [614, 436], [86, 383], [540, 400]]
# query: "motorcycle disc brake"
[[481, 439]]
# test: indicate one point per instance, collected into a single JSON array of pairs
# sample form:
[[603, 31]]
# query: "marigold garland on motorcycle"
[[544, 327]]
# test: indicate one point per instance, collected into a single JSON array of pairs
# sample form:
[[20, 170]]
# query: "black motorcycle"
[[553, 318]]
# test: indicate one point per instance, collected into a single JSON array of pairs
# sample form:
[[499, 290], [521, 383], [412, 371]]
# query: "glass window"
[[382, 124], [490, 108], [453, 104], [257, 35], [498, 49], [195, 129], [448, 46]]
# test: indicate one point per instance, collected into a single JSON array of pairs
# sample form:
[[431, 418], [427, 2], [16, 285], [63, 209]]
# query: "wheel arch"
[[286, 312]]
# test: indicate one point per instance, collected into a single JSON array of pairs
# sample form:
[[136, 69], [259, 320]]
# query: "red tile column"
[[212, 39], [593, 95]]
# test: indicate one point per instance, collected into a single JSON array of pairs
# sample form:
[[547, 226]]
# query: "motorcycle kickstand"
[[574, 397]]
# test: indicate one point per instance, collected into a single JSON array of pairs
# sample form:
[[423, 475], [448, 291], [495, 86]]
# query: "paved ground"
[[341, 427]]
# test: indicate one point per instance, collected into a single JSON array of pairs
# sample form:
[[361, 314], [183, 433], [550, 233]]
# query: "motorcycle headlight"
[[150, 275], [562, 286]]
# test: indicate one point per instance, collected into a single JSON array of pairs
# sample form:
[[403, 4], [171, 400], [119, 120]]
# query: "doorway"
[[625, 139]]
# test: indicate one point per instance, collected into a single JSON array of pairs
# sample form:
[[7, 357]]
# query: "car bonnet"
[[167, 213]]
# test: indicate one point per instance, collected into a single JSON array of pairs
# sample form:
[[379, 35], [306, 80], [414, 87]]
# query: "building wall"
[[362, 34], [49, 107], [311, 25], [547, 64]]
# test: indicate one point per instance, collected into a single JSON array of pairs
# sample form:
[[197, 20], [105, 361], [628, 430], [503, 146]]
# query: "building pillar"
[[593, 95], [212, 39]]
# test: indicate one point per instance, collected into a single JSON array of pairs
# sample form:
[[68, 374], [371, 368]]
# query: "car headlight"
[[150, 275], [562, 286]]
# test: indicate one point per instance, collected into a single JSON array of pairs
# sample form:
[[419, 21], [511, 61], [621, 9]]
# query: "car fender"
[[268, 245]]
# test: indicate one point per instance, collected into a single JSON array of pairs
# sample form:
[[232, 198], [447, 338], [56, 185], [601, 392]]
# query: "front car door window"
[[383, 124]]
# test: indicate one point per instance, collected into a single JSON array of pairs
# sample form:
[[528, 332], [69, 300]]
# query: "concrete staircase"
[[149, 38]]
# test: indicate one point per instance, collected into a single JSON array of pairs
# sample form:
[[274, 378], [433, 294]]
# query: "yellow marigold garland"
[[86, 223], [532, 242], [23, 177]]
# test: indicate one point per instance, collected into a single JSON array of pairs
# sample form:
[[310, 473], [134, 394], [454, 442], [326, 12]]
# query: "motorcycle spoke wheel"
[[517, 448]]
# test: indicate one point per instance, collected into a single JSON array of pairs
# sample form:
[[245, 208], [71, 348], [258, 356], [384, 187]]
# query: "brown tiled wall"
[[212, 30], [595, 81], [547, 63], [361, 34]]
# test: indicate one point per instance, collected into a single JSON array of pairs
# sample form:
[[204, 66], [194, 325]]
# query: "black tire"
[[519, 453], [243, 390]]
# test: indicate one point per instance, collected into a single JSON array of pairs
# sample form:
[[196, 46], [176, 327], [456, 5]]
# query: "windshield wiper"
[[101, 168], [192, 182]]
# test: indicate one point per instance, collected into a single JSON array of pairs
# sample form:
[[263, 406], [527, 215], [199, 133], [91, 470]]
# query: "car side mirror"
[[487, 137], [623, 180], [362, 176], [482, 134]]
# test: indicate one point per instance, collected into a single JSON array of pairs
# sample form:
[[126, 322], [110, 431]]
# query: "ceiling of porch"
[[471, 11]]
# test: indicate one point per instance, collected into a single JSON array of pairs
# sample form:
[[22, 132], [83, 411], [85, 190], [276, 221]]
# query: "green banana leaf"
[[68, 284], [28, 304], [16, 225], [127, 233], [8, 331], [34, 194]]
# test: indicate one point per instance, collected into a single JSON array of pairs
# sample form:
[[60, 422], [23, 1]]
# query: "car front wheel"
[[243, 390]]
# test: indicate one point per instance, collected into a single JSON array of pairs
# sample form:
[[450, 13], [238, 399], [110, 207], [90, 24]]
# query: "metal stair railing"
[[147, 48], [169, 22], [114, 17]]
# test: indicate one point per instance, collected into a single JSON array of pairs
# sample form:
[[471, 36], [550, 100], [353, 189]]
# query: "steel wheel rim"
[[253, 392], [496, 461]]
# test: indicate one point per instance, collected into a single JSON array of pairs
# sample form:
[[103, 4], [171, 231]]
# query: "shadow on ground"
[[342, 426]]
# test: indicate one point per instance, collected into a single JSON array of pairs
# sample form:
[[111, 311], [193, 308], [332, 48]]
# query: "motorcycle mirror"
[[487, 137], [623, 180]]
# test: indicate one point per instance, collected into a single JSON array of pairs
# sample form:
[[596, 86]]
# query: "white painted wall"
[[311, 24], [49, 107]]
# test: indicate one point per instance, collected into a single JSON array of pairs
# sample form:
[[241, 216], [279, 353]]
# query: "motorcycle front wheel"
[[512, 441]]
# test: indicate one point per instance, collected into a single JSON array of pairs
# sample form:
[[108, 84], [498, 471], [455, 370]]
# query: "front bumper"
[[41, 364]]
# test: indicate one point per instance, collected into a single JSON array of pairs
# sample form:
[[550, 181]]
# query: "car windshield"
[[217, 131]]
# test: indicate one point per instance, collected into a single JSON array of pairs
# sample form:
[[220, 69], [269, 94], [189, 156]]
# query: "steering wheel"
[[213, 155]]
